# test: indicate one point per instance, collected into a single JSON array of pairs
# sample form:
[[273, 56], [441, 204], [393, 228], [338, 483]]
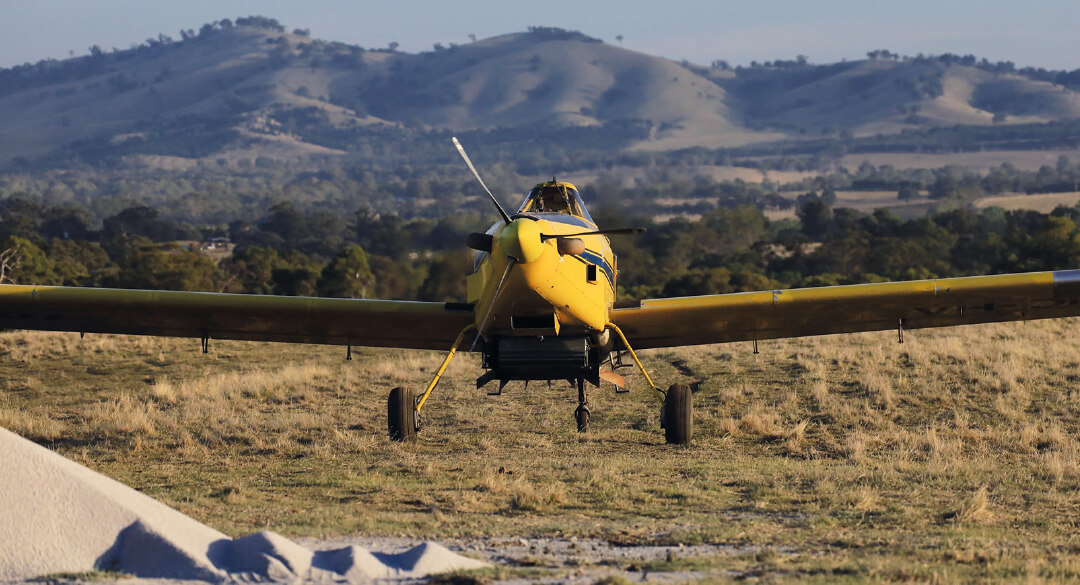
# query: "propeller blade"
[[461, 151], [611, 232], [484, 323]]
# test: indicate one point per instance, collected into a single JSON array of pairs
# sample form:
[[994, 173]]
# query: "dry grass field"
[[952, 457]]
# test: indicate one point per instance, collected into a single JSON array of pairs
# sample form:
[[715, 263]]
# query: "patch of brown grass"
[[33, 424], [976, 509]]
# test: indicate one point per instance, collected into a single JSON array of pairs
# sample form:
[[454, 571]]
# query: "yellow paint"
[[474, 283], [521, 240], [845, 309], [358, 322], [542, 281], [443, 366], [634, 355]]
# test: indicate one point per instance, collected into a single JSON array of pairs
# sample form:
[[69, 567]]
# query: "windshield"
[[555, 199]]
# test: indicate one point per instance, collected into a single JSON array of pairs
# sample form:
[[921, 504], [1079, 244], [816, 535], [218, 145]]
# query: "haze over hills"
[[250, 91]]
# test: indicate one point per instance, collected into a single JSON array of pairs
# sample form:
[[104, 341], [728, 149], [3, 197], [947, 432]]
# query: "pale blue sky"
[[1031, 32]]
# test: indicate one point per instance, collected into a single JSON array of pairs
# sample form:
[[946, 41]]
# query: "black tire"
[[582, 415], [679, 415], [401, 415]]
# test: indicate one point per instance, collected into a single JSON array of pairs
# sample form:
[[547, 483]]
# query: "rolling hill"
[[250, 91]]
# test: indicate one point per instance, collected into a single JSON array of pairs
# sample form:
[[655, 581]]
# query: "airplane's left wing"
[[847, 309], [360, 322]]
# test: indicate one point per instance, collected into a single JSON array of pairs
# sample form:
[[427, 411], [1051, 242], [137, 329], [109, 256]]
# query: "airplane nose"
[[520, 239]]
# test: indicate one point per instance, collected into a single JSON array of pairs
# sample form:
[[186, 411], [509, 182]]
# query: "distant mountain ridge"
[[250, 91]]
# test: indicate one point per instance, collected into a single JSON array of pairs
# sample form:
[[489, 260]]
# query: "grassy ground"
[[951, 457]]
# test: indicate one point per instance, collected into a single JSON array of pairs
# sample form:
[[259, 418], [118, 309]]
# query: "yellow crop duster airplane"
[[540, 306]]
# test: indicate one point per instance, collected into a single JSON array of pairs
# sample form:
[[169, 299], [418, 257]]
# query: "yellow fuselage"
[[546, 292]]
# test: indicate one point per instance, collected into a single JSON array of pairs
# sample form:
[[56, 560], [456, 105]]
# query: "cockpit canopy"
[[555, 197]]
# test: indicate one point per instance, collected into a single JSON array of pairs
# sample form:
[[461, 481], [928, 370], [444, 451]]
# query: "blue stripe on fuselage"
[[598, 259], [588, 255], [1066, 277]]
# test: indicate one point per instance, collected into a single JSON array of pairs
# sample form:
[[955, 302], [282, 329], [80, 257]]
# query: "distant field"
[[1021, 159], [722, 173], [715, 172], [864, 201], [867, 201], [1042, 203], [952, 457]]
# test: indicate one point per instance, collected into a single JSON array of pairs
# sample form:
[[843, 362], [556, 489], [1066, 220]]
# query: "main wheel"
[[401, 414], [582, 415], [678, 415]]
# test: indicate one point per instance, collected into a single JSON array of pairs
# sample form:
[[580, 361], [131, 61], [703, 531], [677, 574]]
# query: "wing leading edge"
[[360, 322], [916, 304]]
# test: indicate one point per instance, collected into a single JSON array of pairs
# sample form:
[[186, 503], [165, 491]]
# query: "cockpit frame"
[[555, 197]]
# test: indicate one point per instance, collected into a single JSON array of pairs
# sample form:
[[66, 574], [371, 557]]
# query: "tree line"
[[286, 252], [733, 250], [216, 197], [289, 251]]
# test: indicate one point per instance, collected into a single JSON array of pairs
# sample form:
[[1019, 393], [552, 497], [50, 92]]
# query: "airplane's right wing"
[[916, 304], [360, 322]]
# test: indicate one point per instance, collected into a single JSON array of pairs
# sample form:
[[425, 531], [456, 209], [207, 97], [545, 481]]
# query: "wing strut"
[[491, 306], [442, 367], [648, 379]]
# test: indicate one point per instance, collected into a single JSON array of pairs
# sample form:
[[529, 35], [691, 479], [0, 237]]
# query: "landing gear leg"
[[677, 414], [582, 414], [403, 407]]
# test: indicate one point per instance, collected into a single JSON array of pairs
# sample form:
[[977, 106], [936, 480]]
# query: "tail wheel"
[[401, 415], [678, 415], [582, 415]]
